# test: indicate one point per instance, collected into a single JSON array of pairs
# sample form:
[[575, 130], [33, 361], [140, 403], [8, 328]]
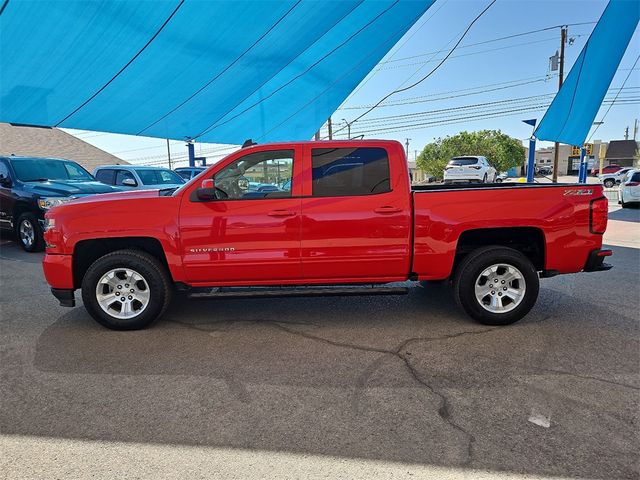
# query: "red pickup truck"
[[320, 218]]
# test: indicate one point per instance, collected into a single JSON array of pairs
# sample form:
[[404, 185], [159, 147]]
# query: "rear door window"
[[462, 162], [350, 171], [105, 176]]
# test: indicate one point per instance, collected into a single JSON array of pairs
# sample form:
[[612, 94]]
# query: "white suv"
[[469, 169]]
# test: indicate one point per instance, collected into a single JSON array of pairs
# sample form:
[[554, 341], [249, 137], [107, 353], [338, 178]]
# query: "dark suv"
[[30, 186]]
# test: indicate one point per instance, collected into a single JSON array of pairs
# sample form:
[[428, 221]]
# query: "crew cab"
[[347, 218]]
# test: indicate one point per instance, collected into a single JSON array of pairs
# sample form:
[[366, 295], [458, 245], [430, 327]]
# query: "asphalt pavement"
[[339, 387]]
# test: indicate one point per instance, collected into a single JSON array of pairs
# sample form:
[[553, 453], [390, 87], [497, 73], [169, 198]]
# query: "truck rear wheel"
[[496, 285], [126, 290]]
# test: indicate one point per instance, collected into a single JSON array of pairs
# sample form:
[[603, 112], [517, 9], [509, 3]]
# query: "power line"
[[486, 41], [480, 52], [374, 72], [464, 34], [428, 98], [614, 100], [464, 118]]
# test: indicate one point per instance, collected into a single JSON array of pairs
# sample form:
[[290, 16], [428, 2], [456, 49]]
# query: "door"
[[251, 233], [7, 199], [356, 216]]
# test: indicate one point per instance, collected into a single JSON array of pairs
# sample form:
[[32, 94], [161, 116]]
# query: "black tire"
[[472, 267], [153, 272], [29, 220], [609, 183]]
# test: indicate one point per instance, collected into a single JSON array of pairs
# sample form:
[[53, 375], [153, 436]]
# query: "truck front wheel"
[[496, 285], [126, 290]]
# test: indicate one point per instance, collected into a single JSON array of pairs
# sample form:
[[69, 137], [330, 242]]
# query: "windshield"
[[159, 177], [463, 161], [42, 169]]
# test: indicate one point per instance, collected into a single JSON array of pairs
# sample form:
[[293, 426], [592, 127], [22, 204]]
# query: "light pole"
[[348, 127]]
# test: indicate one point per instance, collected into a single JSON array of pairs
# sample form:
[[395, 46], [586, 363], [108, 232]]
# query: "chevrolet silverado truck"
[[341, 218]]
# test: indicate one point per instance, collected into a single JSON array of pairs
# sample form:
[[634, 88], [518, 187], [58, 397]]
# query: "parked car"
[[545, 169], [501, 177], [189, 172], [469, 169], [629, 191], [134, 177], [350, 217], [612, 179], [262, 187], [30, 186], [613, 168]]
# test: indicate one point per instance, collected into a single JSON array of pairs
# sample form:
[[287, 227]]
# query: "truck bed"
[[558, 214]]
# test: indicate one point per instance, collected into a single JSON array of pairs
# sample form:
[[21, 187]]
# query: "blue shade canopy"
[[215, 71], [574, 108]]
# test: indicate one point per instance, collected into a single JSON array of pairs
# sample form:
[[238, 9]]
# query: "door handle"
[[281, 213], [387, 209]]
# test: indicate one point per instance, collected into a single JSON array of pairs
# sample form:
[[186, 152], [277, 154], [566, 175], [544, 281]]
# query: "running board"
[[263, 292]]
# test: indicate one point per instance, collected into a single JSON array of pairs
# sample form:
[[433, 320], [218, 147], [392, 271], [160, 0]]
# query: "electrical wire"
[[404, 89], [614, 100]]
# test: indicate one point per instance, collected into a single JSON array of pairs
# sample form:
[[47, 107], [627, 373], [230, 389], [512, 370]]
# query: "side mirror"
[[207, 190], [129, 182], [5, 181]]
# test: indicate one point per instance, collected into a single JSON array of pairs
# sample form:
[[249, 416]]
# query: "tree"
[[501, 150]]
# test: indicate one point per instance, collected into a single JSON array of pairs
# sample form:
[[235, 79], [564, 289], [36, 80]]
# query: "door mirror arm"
[[206, 193]]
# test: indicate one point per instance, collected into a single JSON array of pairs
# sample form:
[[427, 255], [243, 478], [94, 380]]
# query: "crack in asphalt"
[[444, 410]]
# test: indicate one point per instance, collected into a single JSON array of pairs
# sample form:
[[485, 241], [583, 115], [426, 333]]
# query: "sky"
[[489, 82]]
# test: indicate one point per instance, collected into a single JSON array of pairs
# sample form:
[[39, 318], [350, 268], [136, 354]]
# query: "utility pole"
[[626, 133], [415, 155], [407, 145], [635, 128], [563, 40], [330, 128], [169, 154], [192, 153]]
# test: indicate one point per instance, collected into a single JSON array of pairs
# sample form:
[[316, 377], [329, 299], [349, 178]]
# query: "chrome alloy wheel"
[[27, 233], [123, 293], [500, 288]]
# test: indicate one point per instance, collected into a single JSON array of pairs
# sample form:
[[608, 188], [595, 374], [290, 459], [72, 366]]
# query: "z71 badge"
[[578, 191]]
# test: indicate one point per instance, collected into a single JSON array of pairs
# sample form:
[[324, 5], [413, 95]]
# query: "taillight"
[[632, 184], [598, 215], [476, 167]]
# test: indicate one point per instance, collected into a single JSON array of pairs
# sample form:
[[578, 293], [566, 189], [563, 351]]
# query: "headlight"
[[45, 203]]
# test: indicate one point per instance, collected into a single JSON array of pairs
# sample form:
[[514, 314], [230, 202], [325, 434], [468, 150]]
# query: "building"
[[623, 153], [25, 141], [416, 174]]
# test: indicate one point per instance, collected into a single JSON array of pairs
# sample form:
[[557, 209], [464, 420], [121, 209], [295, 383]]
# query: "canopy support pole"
[[582, 174], [531, 162]]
